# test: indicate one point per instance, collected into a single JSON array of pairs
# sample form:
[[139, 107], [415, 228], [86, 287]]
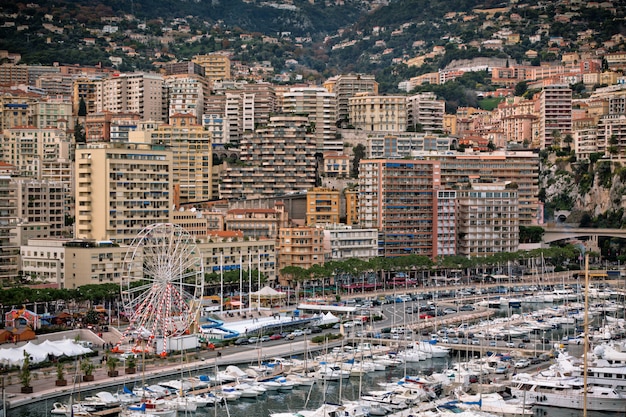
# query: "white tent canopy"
[[268, 292], [329, 318], [39, 353]]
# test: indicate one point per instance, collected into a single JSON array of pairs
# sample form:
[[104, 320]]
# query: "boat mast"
[[586, 338]]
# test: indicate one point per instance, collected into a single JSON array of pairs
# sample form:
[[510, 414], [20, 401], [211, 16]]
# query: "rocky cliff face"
[[594, 188]]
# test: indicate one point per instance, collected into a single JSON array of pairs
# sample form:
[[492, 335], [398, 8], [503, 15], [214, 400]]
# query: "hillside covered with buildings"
[[377, 136]]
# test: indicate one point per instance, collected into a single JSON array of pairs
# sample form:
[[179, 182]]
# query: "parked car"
[[276, 336], [316, 329], [502, 369], [253, 340], [521, 363], [265, 338], [241, 341], [510, 344]]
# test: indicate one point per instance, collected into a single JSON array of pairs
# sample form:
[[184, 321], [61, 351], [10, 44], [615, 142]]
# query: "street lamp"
[[543, 341]]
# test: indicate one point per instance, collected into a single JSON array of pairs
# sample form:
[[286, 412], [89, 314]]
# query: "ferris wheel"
[[162, 286]]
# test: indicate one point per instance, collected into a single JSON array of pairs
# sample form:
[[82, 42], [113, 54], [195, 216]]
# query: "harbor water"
[[308, 397]]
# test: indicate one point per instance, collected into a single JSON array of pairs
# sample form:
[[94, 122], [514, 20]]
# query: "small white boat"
[[76, 410]]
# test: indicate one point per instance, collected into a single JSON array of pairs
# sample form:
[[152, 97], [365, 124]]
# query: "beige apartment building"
[[231, 251], [352, 206], [9, 248], [343, 242], [139, 92], [216, 66], [192, 156], [278, 159], [336, 165], [322, 206], [52, 113], [425, 113], [300, 246], [345, 86], [372, 113], [28, 147], [85, 89], [320, 107], [42, 201], [120, 189], [72, 263], [257, 222]]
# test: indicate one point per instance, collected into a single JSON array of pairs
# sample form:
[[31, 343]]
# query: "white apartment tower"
[[187, 94], [425, 113], [488, 219], [120, 189]]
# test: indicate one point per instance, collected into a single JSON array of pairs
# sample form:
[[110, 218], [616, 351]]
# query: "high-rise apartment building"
[[521, 168], [345, 86], [488, 219], [446, 222], [216, 66], [320, 106], [425, 113], [139, 92], [277, 159], [398, 198], [555, 114], [372, 113], [85, 90], [9, 247], [120, 189], [109, 127], [192, 156], [28, 147], [402, 144], [187, 94], [322, 206], [42, 201]]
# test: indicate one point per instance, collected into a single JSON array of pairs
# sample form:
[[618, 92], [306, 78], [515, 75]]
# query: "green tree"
[[79, 133], [82, 108], [521, 88], [359, 153]]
